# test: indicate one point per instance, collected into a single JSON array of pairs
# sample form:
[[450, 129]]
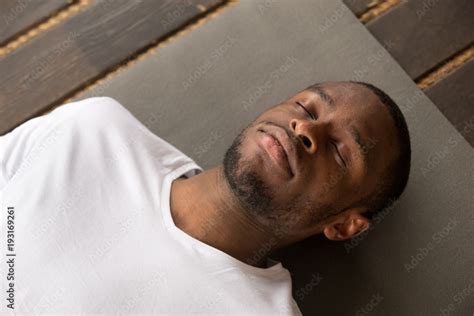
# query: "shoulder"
[[91, 108], [97, 113]]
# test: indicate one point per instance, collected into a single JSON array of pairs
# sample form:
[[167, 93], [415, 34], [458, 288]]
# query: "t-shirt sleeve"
[[17, 145]]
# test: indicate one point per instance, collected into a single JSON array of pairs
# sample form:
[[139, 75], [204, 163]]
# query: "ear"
[[346, 224]]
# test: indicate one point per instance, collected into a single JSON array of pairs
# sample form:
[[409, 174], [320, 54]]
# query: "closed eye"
[[339, 155], [304, 108]]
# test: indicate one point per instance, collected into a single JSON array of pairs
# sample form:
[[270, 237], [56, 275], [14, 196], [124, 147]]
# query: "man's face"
[[303, 166]]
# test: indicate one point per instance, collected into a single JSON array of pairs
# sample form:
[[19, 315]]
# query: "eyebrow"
[[353, 131], [323, 95]]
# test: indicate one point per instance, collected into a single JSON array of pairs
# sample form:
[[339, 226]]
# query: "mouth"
[[279, 147]]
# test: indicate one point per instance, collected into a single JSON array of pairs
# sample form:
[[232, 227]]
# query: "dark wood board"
[[422, 34], [17, 16], [454, 96], [63, 59], [358, 6]]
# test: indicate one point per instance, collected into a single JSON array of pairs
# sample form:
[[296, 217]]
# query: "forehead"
[[346, 96]]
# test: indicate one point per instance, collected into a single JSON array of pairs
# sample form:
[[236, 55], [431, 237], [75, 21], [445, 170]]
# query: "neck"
[[204, 207]]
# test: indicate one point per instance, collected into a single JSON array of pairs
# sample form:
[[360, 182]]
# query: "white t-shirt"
[[85, 197]]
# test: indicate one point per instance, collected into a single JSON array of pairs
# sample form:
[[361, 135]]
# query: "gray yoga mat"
[[201, 89]]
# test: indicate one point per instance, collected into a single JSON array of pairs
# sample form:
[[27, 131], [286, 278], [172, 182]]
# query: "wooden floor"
[[51, 50]]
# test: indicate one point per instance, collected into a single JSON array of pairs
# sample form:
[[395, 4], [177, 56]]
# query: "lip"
[[285, 159]]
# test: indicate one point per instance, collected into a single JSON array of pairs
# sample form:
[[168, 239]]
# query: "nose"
[[308, 132]]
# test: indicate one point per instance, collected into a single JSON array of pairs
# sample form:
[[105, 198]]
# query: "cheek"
[[325, 183]]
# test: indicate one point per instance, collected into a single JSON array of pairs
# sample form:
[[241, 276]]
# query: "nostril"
[[306, 141]]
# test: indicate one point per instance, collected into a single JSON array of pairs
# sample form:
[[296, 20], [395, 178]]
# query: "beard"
[[259, 199], [246, 185]]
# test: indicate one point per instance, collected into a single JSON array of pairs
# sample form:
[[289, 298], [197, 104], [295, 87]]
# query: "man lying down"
[[106, 217]]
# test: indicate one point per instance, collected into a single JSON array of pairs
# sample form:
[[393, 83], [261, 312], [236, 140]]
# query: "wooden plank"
[[61, 60], [454, 96], [422, 34], [19, 15], [359, 6]]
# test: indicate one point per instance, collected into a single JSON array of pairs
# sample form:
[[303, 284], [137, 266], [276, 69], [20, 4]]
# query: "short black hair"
[[393, 181], [395, 177]]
